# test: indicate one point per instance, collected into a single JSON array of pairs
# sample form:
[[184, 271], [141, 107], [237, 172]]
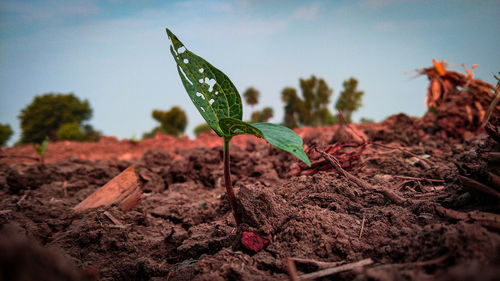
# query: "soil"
[[417, 197], [184, 229]]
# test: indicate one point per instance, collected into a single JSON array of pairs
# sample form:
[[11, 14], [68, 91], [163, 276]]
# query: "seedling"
[[219, 102], [134, 139], [41, 149]]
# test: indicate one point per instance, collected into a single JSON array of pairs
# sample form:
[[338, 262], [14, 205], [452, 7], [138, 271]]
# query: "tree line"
[[64, 116]]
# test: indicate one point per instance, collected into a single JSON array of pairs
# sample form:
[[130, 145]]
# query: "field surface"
[[397, 204]]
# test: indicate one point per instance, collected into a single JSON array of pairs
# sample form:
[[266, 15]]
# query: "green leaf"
[[278, 136], [38, 148], [41, 148], [284, 139], [232, 127], [211, 91], [219, 102]]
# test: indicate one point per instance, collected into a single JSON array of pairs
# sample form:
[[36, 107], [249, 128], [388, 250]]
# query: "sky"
[[116, 55]]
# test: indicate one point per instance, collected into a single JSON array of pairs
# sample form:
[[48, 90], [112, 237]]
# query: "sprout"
[[219, 102]]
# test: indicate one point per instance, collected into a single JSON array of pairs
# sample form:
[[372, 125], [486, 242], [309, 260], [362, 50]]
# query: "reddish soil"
[[184, 230], [367, 207]]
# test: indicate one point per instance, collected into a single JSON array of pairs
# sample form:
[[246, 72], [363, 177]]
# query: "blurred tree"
[[70, 131], [153, 132], [262, 115], [173, 122], [350, 98], [5, 133], [292, 107], [364, 120], [325, 117], [89, 134], [48, 112], [312, 108], [202, 128], [316, 95], [251, 96]]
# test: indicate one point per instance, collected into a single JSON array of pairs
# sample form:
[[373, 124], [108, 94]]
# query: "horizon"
[[116, 53]]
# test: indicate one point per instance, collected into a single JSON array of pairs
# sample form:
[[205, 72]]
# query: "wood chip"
[[116, 191]]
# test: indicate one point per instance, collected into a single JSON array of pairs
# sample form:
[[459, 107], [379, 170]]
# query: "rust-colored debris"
[[457, 102], [122, 190]]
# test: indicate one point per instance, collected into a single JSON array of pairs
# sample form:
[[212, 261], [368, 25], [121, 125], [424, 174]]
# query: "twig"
[[430, 194], [362, 226], [384, 152], [361, 183], [114, 220], [21, 200], [472, 184], [337, 269], [419, 179], [493, 104], [399, 184], [342, 117], [65, 188], [292, 271], [492, 131], [494, 180], [485, 219], [391, 195], [124, 226], [336, 165], [319, 264], [418, 263], [493, 157]]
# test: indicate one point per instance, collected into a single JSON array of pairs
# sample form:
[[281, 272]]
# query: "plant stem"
[[227, 181]]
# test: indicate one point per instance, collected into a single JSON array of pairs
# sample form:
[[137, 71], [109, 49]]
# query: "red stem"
[[227, 181]]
